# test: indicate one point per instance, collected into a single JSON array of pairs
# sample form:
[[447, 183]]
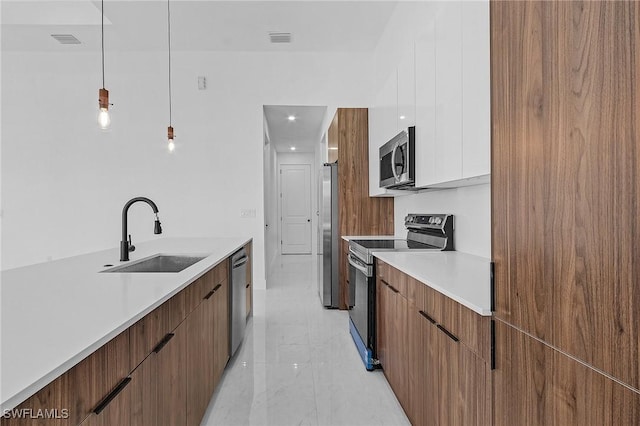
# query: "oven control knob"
[[438, 221]]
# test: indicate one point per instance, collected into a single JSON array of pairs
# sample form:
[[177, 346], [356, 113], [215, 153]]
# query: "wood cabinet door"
[[395, 358], [199, 361], [398, 349], [416, 361], [381, 326], [463, 385], [117, 411], [172, 379], [144, 392], [219, 318], [565, 173], [542, 386]]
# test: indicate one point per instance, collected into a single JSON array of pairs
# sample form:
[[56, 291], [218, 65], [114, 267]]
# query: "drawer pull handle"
[[217, 287], [209, 295], [393, 288], [163, 342], [445, 331], [111, 396], [424, 314], [247, 286]]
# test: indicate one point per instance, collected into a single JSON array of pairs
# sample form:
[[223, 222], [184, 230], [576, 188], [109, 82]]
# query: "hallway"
[[298, 364]]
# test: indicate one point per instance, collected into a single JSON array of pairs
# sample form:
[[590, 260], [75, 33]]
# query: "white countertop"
[[463, 277], [55, 314], [371, 237]]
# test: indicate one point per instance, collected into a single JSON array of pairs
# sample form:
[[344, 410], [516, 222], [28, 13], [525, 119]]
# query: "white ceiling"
[[303, 133], [332, 26]]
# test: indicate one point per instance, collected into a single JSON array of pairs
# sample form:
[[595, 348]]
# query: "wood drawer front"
[[80, 389], [221, 272], [198, 290], [150, 330], [473, 330], [194, 293], [393, 277], [382, 270]]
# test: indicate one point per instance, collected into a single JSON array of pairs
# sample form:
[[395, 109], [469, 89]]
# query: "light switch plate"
[[248, 213]]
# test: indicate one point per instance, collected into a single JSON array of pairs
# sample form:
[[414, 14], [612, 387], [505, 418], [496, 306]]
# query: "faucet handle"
[[131, 246]]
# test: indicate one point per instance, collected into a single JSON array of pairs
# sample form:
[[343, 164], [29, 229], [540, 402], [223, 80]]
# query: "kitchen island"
[[56, 314]]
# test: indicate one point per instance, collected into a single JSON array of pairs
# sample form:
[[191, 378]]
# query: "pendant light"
[[104, 119], [171, 144]]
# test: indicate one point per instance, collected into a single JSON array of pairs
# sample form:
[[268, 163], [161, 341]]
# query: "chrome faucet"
[[125, 245]]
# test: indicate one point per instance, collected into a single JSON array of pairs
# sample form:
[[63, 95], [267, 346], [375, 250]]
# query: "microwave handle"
[[393, 162]]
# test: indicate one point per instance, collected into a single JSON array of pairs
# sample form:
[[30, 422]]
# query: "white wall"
[[471, 207], [64, 182]]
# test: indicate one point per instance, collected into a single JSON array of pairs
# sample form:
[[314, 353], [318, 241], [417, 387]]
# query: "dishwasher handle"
[[238, 263]]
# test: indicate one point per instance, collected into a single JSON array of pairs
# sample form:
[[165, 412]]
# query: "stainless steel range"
[[425, 232]]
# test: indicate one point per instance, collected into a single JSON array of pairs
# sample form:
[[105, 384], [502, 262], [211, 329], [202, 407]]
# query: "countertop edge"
[[465, 302], [14, 400], [370, 237]]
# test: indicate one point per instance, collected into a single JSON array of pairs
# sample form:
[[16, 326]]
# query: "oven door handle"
[[359, 267]]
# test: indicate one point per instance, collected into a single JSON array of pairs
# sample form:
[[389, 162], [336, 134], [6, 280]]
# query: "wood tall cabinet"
[[358, 213], [566, 211], [162, 370], [207, 347], [434, 352]]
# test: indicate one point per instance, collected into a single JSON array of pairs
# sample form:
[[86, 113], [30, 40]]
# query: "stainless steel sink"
[[159, 263]]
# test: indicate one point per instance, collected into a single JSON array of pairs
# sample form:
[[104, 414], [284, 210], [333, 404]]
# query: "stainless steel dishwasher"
[[237, 299]]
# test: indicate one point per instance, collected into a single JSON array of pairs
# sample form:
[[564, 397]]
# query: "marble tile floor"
[[298, 364]]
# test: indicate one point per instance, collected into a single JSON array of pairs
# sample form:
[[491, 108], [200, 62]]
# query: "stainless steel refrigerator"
[[328, 268]]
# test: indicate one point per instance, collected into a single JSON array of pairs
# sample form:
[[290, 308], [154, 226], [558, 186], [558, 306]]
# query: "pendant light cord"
[[102, 26], [169, 27]]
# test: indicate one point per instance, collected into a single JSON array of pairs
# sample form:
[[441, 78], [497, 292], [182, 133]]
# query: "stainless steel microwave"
[[397, 161]]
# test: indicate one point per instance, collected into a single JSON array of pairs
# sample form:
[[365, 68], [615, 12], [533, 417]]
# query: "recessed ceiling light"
[[402, 117], [293, 148], [292, 118], [333, 148]]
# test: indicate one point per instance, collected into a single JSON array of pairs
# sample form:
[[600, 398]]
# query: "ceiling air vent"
[[66, 39], [280, 37]]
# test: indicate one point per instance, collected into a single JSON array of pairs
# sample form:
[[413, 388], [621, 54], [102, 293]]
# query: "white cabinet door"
[[448, 53], [385, 115], [425, 51], [476, 89], [375, 136], [389, 103], [407, 90]]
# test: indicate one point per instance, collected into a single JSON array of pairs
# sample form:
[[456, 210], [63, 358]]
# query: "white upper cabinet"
[[476, 90], [448, 58], [383, 125], [407, 90], [425, 59], [441, 85], [453, 138]]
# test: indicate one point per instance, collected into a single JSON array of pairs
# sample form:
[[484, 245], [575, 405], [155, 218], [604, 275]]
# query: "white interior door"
[[295, 208]]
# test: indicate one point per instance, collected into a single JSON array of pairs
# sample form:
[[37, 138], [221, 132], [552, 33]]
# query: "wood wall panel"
[[358, 214], [566, 176], [538, 385]]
